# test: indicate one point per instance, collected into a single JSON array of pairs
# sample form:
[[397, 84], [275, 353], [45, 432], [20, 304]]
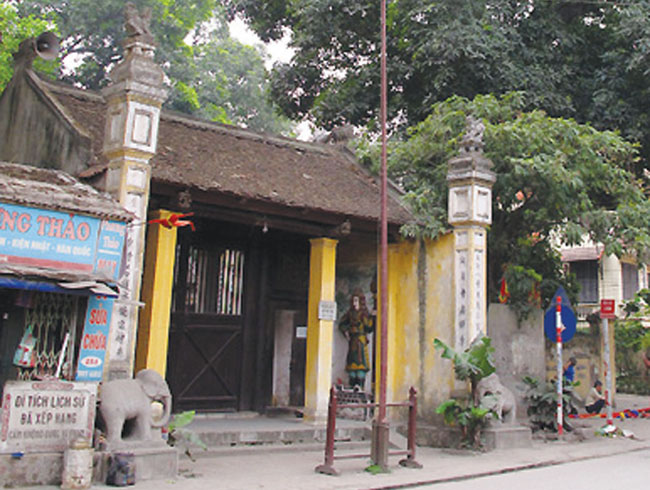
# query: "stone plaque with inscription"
[[43, 416]]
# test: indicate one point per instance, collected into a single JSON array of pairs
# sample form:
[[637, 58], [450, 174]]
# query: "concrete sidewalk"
[[292, 466]]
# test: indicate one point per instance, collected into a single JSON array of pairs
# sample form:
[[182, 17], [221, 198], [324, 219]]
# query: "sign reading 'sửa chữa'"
[[92, 351]]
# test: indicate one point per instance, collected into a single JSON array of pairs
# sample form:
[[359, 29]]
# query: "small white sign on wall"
[[327, 310], [301, 332]]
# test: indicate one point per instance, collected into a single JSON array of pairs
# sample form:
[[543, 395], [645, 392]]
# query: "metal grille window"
[[630, 278], [50, 317], [586, 272], [214, 281], [231, 280], [199, 288]]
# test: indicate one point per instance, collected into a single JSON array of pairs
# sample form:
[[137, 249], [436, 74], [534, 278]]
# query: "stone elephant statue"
[[127, 402], [502, 400]]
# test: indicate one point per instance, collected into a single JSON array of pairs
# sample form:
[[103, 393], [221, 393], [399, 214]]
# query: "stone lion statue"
[[492, 394]]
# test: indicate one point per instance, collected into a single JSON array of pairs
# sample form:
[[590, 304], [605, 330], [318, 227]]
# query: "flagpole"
[[380, 425]]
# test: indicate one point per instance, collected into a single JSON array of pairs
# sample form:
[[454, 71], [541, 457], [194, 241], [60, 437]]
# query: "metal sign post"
[[558, 332], [607, 311]]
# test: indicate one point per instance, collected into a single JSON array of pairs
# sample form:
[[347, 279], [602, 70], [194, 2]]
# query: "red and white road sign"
[[607, 308]]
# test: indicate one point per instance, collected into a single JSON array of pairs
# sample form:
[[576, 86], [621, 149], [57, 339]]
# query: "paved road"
[[623, 472]]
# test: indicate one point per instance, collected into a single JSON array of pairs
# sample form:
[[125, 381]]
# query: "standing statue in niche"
[[355, 325]]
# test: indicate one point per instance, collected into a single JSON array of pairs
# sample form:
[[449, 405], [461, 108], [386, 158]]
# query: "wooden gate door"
[[206, 354]]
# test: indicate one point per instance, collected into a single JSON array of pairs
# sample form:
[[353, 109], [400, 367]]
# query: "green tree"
[[582, 60], [632, 342], [231, 86], [13, 30], [556, 180], [209, 73], [92, 33]]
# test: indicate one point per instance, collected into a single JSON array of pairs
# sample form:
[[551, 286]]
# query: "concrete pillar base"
[[380, 443]]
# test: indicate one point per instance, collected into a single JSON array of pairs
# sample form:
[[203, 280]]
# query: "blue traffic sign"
[[568, 317]]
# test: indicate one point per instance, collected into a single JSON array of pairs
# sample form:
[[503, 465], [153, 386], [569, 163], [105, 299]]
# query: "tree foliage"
[[557, 181], [574, 59], [209, 73], [632, 343], [13, 30], [231, 85]]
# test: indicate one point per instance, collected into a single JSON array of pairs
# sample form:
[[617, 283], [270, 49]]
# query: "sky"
[[277, 50]]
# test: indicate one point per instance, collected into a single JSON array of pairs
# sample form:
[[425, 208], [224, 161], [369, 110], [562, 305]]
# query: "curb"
[[503, 471]]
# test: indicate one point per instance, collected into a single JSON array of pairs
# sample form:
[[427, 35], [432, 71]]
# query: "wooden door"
[[206, 344]]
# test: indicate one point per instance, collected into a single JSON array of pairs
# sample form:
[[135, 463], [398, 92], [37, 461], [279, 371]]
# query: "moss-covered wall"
[[34, 131]]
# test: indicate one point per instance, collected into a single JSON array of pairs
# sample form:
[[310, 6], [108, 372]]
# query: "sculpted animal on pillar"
[[136, 23], [128, 402]]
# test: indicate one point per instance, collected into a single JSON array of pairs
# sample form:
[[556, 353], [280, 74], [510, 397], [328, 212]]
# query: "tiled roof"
[[194, 153], [56, 190]]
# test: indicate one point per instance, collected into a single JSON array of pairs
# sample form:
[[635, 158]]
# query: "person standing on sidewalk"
[[595, 399]]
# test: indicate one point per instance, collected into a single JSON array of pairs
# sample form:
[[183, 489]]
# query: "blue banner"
[[110, 248], [56, 240], [92, 351]]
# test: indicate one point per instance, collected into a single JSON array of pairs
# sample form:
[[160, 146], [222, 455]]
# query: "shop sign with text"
[[92, 351], [41, 416], [56, 240]]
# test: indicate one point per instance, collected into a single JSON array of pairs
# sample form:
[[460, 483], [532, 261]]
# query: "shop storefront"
[[61, 246]]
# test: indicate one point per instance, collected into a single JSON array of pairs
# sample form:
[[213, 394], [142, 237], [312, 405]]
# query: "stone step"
[[280, 436], [317, 448]]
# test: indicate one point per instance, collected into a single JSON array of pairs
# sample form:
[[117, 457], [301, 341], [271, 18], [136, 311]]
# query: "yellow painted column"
[[157, 283], [318, 372]]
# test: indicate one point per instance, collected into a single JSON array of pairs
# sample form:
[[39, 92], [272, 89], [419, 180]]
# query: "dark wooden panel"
[[208, 367], [206, 348]]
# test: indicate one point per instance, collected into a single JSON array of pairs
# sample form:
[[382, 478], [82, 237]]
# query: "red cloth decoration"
[[175, 220], [504, 295]]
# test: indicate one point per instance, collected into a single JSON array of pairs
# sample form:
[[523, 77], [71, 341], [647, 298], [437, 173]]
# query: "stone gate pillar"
[[470, 181], [134, 99]]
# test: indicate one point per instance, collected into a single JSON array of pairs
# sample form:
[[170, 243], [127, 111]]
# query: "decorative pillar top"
[[470, 179], [137, 72], [471, 165]]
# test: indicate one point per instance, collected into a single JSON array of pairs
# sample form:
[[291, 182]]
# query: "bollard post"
[[327, 467], [409, 461]]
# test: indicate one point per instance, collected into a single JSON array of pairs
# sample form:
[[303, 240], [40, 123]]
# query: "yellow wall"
[[420, 309], [438, 379], [403, 320]]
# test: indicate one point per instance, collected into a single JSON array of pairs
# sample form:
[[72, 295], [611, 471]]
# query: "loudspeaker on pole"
[[46, 46]]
